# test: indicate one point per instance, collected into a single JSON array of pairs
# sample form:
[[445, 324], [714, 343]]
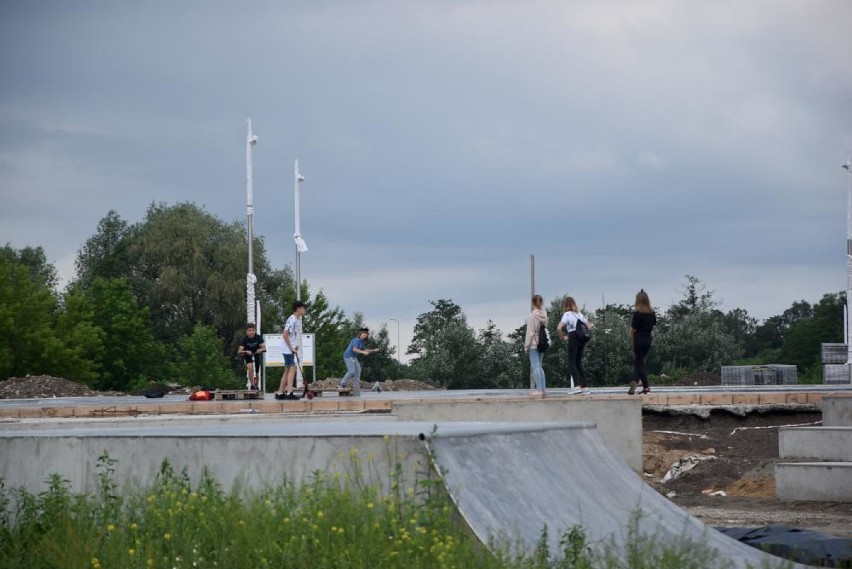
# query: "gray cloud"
[[624, 143]]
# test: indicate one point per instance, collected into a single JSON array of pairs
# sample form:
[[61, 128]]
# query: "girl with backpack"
[[568, 329], [535, 344], [644, 320]]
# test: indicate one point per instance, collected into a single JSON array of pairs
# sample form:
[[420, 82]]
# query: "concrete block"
[[814, 481], [619, 419], [837, 410], [797, 398], [350, 405], [320, 404], [717, 399], [771, 398], [815, 398], [817, 443]]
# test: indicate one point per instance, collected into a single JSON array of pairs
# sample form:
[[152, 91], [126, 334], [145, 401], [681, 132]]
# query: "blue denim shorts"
[[289, 360]]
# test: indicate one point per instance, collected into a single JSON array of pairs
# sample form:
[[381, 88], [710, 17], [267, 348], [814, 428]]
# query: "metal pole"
[[251, 140], [398, 347], [848, 167], [297, 236], [532, 293]]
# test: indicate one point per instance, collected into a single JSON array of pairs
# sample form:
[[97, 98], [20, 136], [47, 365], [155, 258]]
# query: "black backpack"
[[543, 339], [582, 332]]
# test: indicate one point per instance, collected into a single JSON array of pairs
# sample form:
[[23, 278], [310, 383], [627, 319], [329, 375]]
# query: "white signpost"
[[275, 354]]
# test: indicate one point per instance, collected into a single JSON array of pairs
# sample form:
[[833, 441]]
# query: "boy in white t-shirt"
[[290, 349]]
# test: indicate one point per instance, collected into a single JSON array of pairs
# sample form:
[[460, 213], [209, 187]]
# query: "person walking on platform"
[[567, 330], [535, 320], [644, 320], [350, 358]]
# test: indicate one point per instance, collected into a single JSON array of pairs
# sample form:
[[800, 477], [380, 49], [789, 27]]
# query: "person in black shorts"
[[251, 347], [644, 320]]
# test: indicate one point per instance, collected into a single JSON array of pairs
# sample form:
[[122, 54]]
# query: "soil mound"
[[45, 386]]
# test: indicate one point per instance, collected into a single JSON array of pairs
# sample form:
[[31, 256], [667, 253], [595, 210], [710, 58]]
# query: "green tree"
[[803, 341], [692, 335], [445, 348], [770, 334], [608, 357], [28, 313], [106, 253], [199, 361], [500, 366], [131, 355], [82, 337], [34, 259]]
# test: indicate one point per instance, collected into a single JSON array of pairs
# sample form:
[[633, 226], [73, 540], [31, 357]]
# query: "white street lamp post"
[[848, 167], [398, 347], [301, 246], [251, 140]]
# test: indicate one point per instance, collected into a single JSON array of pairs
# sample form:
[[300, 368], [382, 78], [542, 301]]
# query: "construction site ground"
[[737, 488], [734, 488]]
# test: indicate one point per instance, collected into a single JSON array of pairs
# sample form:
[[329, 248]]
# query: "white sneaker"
[[586, 391], [575, 391]]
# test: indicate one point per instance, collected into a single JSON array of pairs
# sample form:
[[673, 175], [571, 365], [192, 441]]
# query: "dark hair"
[[364, 329], [250, 325], [297, 305]]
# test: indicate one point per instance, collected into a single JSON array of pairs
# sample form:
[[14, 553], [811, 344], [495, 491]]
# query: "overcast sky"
[[624, 143]]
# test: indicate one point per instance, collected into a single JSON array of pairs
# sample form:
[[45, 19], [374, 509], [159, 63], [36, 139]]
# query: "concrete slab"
[[618, 418], [816, 443], [814, 481], [837, 410]]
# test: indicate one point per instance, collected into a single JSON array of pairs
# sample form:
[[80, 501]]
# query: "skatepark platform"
[[506, 478]]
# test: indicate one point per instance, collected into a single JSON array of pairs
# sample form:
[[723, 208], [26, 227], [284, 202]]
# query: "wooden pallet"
[[346, 392], [236, 395]]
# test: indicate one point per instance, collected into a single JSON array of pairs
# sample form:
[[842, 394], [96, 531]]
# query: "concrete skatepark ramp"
[[564, 475], [507, 479]]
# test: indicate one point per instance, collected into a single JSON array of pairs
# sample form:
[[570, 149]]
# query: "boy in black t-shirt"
[[251, 347]]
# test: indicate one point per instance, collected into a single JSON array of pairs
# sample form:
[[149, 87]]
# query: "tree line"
[[162, 300]]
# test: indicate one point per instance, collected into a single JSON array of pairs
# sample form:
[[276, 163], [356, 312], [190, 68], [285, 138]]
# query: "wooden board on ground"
[[237, 395], [346, 392]]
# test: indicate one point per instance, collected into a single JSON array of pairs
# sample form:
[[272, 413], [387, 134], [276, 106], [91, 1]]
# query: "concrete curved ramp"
[[564, 475], [506, 478]]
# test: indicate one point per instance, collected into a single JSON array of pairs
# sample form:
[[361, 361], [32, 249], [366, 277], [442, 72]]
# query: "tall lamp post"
[[251, 140], [848, 167], [301, 246], [398, 347]]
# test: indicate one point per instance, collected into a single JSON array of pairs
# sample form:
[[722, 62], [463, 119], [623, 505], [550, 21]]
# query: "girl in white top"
[[566, 330]]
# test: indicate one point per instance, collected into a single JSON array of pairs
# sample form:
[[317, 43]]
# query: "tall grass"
[[332, 521]]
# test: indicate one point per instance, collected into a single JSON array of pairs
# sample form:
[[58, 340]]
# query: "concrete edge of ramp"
[[512, 485], [239, 455]]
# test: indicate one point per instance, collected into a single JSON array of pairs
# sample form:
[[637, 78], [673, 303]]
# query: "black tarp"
[[802, 546]]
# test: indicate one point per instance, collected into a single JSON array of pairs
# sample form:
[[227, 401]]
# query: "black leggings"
[[641, 345], [575, 360]]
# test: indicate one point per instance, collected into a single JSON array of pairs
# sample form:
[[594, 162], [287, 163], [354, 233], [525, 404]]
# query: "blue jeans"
[[353, 370], [537, 370]]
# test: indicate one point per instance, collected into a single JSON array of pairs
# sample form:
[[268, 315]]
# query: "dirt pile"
[[42, 387]]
